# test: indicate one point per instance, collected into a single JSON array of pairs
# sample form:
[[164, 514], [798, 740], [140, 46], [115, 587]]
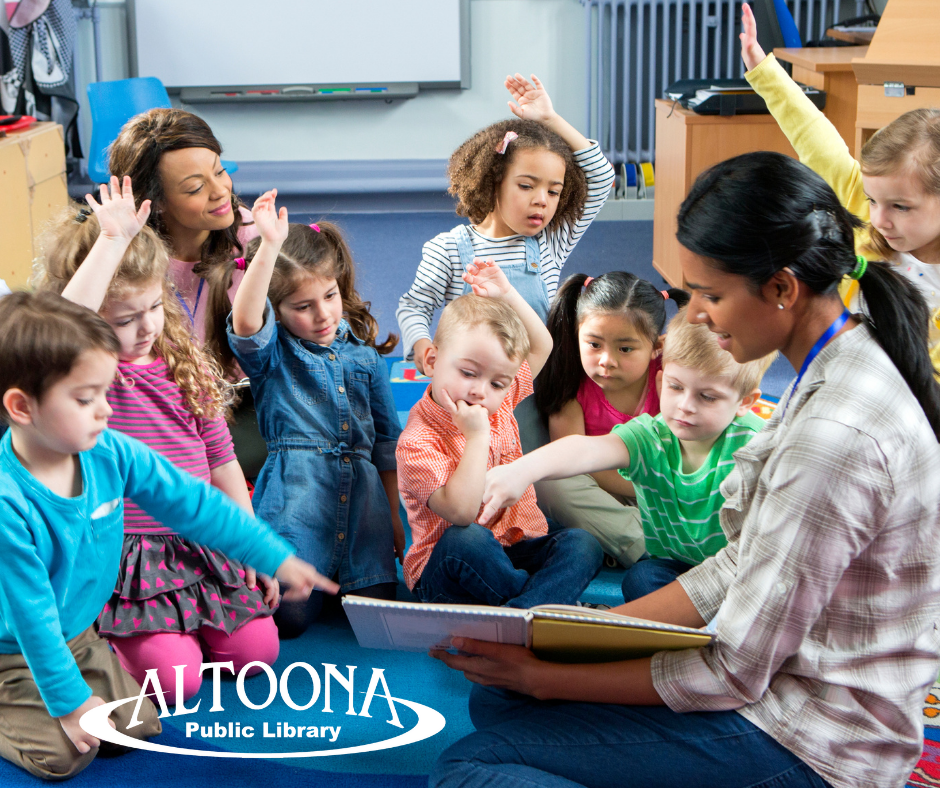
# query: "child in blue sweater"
[[63, 479]]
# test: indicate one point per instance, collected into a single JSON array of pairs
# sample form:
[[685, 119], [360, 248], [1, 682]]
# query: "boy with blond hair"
[[676, 460], [487, 348]]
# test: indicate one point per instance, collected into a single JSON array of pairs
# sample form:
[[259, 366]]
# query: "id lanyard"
[[820, 344], [192, 313]]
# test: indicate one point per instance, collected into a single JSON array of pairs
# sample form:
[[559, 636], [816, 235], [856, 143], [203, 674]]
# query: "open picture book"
[[561, 633]]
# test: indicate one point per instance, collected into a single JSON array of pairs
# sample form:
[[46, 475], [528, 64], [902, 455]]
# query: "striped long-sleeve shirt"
[[149, 406], [438, 280]]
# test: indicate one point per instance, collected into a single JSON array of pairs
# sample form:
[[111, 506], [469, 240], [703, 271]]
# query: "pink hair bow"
[[509, 137]]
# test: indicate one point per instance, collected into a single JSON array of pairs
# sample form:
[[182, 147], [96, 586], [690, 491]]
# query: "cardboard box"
[[32, 191]]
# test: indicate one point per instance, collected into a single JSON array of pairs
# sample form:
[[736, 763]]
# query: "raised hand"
[[532, 101], [487, 279], [751, 52], [271, 223], [302, 579], [471, 420], [503, 487], [118, 216]]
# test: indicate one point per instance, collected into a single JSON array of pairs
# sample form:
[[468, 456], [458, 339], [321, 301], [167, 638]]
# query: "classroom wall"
[[546, 37]]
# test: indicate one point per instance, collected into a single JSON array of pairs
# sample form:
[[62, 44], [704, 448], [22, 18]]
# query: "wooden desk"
[[687, 144], [904, 49], [829, 69]]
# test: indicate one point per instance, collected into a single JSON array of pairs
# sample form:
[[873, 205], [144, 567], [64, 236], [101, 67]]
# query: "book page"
[[409, 626], [573, 613]]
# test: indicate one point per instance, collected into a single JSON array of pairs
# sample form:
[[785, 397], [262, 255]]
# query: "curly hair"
[[476, 170], [67, 244], [910, 142], [308, 252], [137, 152]]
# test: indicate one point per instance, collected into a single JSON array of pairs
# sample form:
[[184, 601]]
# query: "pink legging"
[[255, 641]]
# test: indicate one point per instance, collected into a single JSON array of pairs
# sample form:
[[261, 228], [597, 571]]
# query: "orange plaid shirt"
[[428, 452]]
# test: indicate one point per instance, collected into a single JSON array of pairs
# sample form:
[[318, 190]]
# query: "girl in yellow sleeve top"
[[895, 186]]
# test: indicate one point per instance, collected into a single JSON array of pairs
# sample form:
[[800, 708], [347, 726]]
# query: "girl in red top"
[[602, 372]]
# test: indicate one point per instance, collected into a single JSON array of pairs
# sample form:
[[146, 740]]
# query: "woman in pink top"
[[602, 372], [173, 160]]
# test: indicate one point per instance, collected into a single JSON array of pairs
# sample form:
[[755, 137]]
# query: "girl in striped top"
[[530, 186], [172, 597]]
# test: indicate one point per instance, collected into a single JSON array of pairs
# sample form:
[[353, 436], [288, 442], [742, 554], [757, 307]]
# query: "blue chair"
[[791, 36], [114, 103]]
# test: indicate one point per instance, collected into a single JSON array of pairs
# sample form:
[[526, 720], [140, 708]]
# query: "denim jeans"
[[649, 574], [469, 566], [524, 742]]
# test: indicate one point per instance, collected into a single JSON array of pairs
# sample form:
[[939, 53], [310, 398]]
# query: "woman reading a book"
[[825, 599]]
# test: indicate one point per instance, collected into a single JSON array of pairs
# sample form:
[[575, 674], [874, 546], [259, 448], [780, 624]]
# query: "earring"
[[780, 306]]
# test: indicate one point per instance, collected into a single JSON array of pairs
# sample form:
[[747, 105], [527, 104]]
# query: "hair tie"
[[82, 215], [665, 294], [859, 271], [315, 227], [509, 137], [240, 263], [586, 283]]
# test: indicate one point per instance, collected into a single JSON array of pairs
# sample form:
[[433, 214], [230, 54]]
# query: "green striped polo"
[[680, 510]]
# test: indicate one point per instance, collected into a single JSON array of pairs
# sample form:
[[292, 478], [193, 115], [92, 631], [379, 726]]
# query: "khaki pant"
[[34, 740], [579, 502]]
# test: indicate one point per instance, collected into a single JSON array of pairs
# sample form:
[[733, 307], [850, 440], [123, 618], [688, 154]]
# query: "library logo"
[[334, 688]]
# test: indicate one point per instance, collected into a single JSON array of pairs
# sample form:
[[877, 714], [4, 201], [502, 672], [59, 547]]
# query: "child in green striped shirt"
[[676, 460]]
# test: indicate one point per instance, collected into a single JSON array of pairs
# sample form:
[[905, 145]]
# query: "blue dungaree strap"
[[525, 278]]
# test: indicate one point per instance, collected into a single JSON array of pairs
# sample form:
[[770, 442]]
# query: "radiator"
[[636, 48]]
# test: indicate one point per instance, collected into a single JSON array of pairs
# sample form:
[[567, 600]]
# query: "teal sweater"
[[61, 555]]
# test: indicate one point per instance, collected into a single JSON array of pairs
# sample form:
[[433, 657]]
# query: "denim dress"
[[330, 424]]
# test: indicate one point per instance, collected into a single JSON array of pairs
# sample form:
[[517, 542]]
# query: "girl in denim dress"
[[307, 343]]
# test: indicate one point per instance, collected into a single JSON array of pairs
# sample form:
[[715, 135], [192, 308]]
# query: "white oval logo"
[[430, 722]]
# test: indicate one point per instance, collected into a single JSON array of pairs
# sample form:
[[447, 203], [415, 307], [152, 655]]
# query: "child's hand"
[[487, 279], [272, 589], [398, 534], [751, 52], [302, 579], [271, 223], [532, 101], [471, 420], [83, 741], [118, 216], [503, 487]]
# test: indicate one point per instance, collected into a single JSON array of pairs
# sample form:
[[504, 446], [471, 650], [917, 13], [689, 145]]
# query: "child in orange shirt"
[[487, 348]]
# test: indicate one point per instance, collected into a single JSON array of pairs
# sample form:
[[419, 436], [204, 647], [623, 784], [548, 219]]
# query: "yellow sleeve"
[[817, 143], [813, 137]]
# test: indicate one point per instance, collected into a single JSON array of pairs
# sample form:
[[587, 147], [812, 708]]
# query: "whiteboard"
[[196, 43]]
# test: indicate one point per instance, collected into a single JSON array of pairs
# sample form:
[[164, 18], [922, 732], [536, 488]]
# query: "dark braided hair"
[[617, 292], [756, 214]]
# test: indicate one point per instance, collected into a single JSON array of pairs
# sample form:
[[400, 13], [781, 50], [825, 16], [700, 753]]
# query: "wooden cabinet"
[[32, 191], [904, 49], [687, 144]]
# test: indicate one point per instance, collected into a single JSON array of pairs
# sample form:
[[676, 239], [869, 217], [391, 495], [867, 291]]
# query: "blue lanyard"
[[192, 313], [820, 344]]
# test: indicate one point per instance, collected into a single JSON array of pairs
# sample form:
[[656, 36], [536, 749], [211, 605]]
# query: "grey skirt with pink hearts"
[[169, 584]]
